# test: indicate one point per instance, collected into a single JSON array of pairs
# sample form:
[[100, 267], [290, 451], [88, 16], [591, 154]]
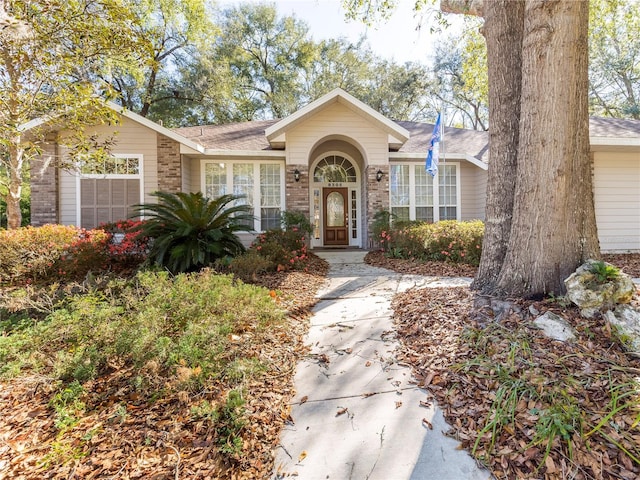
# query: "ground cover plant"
[[150, 375]]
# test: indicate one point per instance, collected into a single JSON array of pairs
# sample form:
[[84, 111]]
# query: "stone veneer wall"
[[44, 187], [169, 165], [297, 193], [377, 196]]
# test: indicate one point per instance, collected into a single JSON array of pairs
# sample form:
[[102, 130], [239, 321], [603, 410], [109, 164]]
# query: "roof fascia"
[[615, 141], [446, 156]]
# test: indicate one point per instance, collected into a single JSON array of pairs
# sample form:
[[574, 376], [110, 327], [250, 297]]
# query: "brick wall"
[[297, 193], [377, 196], [169, 165], [44, 187]]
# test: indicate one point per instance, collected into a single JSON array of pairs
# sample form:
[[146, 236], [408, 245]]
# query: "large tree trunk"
[[553, 227], [503, 30]]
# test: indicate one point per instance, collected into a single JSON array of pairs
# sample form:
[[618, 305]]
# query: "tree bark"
[[553, 227], [503, 30]]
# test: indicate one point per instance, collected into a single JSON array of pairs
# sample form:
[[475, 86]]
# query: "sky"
[[398, 38]]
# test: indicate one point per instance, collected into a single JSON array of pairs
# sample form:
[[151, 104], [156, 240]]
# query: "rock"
[[555, 327], [593, 296], [626, 321], [533, 311]]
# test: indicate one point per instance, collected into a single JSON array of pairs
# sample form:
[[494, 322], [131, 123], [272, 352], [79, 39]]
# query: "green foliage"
[[190, 231], [613, 58], [285, 249], [228, 420], [67, 404], [173, 328], [249, 265], [299, 220], [448, 240], [381, 225], [604, 272], [230, 423], [57, 52]]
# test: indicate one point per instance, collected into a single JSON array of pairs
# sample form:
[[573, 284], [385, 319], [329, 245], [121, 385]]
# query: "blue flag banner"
[[434, 149]]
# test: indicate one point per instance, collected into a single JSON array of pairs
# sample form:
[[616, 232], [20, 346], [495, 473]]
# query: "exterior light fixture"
[[296, 175], [379, 175]]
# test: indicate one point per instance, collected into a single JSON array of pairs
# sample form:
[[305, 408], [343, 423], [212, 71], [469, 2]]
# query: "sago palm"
[[190, 231]]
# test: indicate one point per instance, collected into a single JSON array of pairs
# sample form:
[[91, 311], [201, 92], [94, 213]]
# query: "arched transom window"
[[334, 168]]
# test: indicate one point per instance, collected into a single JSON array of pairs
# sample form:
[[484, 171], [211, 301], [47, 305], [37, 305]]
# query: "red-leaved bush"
[[60, 252]]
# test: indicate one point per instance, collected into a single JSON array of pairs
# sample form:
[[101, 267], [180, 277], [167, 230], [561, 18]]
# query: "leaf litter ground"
[[524, 405], [122, 435]]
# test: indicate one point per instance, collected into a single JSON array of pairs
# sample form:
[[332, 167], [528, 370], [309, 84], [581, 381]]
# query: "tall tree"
[[614, 58], [267, 55], [174, 31], [547, 160], [50, 50]]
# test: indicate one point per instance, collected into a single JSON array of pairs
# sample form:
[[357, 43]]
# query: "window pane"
[[399, 185], [243, 182], [401, 213], [269, 218], [424, 214], [270, 185], [448, 188], [448, 213], [215, 180], [334, 168], [424, 188]]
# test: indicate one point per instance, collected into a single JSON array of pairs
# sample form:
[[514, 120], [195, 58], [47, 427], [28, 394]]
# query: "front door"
[[336, 228]]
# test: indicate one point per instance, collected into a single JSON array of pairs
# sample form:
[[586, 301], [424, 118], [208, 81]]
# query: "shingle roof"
[[454, 140], [251, 136], [614, 127], [231, 136]]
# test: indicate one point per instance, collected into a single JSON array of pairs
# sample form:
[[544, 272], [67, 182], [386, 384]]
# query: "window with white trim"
[[108, 189], [413, 194], [259, 183]]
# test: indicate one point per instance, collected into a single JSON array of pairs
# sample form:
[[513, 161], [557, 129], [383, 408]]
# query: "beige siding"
[[194, 166], [337, 122], [131, 138], [68, 203], [617, 200], [468, 194]]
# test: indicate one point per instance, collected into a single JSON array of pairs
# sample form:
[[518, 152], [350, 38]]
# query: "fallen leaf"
[[304, 399], [302, 456], [341, 411]]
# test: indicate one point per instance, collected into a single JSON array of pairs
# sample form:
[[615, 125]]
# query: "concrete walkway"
[[357, 415]]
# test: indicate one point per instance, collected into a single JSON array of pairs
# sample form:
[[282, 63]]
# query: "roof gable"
[[276, 134]]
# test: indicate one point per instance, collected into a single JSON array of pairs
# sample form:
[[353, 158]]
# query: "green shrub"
[[189, 231], [29, 253], [448, 240], [285, 249], [249, 265], [459, 242], [295, 219]]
